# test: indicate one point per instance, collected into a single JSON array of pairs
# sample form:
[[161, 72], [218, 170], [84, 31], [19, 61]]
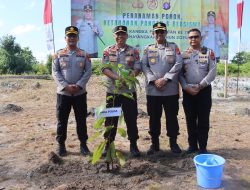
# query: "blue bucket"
[[209, 168]]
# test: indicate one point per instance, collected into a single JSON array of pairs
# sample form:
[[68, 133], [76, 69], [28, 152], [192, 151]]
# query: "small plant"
[[128, 79]]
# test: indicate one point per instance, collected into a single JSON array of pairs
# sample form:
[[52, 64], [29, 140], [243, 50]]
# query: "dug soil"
[[27, 145]]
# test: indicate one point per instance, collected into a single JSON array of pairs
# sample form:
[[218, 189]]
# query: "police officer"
[[212, 35], [128, 56], [71, 70], [161, 65], [199, 70], [89, 29]]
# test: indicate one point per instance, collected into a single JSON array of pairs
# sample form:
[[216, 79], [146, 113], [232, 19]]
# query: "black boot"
[[61, 149], [192, 149], [134, 149], [84, 149], [155, 146], [174, 146]]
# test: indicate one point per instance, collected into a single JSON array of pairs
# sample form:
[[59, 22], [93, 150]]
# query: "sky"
[[24, 20]]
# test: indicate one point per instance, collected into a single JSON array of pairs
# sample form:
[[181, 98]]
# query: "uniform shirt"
[[71, 68], [162, 61], [128, 57], [213, 37], [199, 67], [87, 37]]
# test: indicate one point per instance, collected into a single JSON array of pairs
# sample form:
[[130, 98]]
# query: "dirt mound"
[[163, 167], [10, 108]]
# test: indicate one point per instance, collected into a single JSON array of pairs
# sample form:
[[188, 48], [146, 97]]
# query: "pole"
[[96, 33], [226, 80], [52, 28]]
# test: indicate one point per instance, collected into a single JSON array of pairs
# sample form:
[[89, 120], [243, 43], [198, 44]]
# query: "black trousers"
[[63, 108], [130, 111], [155, 106], [197, 110]]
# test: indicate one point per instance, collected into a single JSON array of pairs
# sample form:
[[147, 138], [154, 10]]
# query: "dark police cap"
[[159, 26], [87, 8], [120, 29], [211, 13], [71, 30]]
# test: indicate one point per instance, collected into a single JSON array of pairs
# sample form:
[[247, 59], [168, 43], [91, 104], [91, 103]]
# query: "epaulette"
[[54, 56], [185, 54], [80, 53]]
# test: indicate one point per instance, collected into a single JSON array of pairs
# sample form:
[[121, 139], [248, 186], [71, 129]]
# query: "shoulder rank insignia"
[[212, 55], [177, 51]]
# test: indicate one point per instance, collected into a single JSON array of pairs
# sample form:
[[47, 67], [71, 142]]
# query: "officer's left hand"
[[160, 83], [75, 88]]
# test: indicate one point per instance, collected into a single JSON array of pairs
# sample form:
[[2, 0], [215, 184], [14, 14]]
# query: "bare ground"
[[27, 138]]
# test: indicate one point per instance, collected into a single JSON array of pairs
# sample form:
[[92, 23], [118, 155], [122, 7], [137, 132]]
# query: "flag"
[[240, 6], [48, 24]]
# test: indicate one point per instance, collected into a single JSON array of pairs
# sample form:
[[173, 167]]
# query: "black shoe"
[[61, 150], [84, 149], [192, 149], [134, 150], [153, 149], [175, 149], [203, 151], [174, 146]]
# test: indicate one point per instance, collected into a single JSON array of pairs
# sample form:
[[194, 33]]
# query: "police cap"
[[211, 13], [87, 8], [120, 29], [71, 30], [159, 26]]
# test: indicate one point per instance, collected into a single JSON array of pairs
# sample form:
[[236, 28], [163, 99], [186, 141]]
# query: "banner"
[[240, 6], [48, 24], [140, 15]]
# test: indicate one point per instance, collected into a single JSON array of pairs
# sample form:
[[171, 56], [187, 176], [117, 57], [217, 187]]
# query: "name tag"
[[109, 112], [169, 52]]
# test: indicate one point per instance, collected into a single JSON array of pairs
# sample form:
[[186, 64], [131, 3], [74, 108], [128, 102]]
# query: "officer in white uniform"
[[212, 35], [89, 30]]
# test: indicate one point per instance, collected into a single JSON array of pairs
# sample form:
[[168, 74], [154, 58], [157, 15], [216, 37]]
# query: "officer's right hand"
[[192, 90]]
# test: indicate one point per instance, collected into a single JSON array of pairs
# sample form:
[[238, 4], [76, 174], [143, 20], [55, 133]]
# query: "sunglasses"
[[193, 37], [160, 31]]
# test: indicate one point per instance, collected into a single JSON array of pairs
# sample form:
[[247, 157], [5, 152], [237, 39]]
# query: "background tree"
[[14, 59], [49, 64], [241, 58]]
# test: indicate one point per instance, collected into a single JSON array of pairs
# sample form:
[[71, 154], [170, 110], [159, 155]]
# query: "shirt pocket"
[[153, 57], [64, 63], [170, 56], [203, 65], [129, 58], [80, 62]]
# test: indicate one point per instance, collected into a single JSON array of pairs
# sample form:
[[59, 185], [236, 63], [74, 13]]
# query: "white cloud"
[[31, 4], [24, 29]]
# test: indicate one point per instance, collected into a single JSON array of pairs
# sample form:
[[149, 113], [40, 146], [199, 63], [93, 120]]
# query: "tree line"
[[16, 60]]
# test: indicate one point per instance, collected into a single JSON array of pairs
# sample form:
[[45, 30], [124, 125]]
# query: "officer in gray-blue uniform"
[[89, 30], [161, 65], [128, 57], [199, 70], [71, 70]]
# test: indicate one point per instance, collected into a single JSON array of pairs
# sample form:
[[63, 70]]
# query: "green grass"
[[233, 69]]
